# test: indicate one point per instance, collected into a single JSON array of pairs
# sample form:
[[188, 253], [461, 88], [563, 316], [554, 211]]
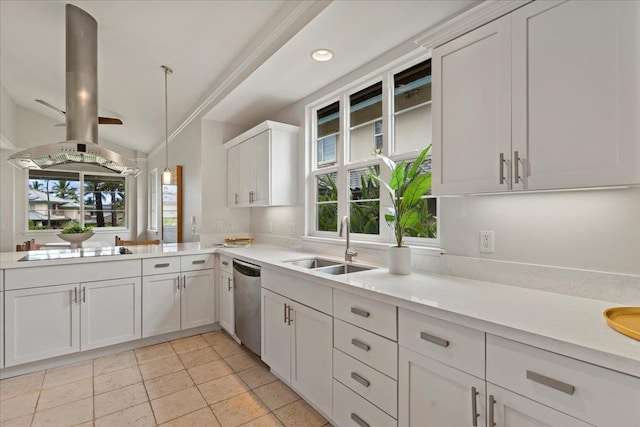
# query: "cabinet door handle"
[[474, 407], [84, 294], [163, 265], [236, 198], [550, 382], [359, 312], [365, 382], [501, 168], [516, 167], [178, 283], [229, 284], [184, 282], [433, 339], [198, 261], [290, 317], [74, 297], [360, 344], [285, 313], [358, 420], [492, 402], [225, 262]]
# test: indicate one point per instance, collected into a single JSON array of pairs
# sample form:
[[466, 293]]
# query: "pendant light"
[[166, 174]]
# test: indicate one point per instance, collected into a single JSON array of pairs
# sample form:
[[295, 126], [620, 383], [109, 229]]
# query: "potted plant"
[[406, 187], [75, 234]]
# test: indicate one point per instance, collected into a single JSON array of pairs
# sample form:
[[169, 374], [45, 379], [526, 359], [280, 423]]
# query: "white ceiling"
[[202, 41]]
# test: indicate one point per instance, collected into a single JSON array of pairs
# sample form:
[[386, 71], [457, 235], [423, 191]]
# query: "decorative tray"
[[625, 320], [238, 242]]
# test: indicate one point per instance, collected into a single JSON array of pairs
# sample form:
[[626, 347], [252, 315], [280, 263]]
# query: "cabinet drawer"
[[446, 342], [377, 388], [226, 264], [374, 316], [162, 265], [374, 350], [197, 262], [306, 292], [591, 393], [351, 410]]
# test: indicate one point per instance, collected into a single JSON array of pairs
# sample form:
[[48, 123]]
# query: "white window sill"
[[420, 250]]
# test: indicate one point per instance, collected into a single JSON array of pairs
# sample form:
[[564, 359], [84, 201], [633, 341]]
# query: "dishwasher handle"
[[246, 269]]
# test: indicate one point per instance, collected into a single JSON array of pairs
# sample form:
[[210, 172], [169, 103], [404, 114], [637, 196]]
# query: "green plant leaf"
[[416, 189], [417, 163], [387, 161], [410, 218], [380, 181], [391, 219], [397, 176]]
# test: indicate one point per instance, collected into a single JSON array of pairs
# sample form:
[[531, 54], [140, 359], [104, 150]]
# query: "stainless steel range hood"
[[80, 151]]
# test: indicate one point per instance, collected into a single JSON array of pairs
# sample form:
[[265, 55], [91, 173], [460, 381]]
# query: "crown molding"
[[6, 144], [466, 21], [290, 19]]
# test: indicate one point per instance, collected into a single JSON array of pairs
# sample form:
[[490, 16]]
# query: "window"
[[57, 199], [398, 100], [328, 128], [153, 200]]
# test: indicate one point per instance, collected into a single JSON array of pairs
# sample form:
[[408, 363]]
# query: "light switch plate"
[[486, 242]]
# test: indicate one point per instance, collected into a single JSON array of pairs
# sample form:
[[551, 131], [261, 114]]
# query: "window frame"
[[81, 174], [153, 190], [344, 165]]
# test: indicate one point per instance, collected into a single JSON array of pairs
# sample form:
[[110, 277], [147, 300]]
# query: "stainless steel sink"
[[313, 263], [344, 269]]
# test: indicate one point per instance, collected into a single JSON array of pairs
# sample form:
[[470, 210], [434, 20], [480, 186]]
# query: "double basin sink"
[[329, 266]]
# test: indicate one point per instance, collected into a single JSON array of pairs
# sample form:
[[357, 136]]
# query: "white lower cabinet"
[[1, 327], [227, 313], [297, 344], [508, 409], [198, 299], [435, 394], [56, 320], [352, 410]]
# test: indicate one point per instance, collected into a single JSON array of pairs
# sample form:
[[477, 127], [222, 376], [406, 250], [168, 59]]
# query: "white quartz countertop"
[[563, 324], [10, 260]]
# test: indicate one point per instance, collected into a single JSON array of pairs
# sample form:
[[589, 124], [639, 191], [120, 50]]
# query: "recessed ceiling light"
[[322, 55]]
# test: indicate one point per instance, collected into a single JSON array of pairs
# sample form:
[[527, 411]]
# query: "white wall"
[[7, 116], [7, 178]]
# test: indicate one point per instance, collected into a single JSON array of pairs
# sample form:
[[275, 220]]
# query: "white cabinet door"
[[312, 349], [233, 176], [41, 323], [261, 179], [110, 312], [431, 393], [227, 319], [472, 111], [198, 302], [507, 409], [247, 172], [160, 304], [276, 334], [1, 328], [576, 93]]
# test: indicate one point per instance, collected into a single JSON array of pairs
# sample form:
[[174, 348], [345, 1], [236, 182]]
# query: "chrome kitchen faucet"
[[348, 252]]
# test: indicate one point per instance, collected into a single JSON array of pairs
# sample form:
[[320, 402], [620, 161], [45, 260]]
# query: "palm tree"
[[35, 185], [95, 188], [64, 190]]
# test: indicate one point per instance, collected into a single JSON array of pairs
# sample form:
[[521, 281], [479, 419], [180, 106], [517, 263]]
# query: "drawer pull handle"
[[359, 312], [225, 262], [360, 344], [435, 340], [474, 407], [365, 382], [229, 284], [492, 402], [358, 420], [166, 264], [550, 382], [198, 261], [285, 313]]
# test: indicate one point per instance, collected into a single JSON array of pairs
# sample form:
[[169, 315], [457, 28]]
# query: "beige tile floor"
[[203, 380]]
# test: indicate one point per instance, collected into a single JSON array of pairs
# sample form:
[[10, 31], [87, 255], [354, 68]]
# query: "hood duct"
[[80, 151]]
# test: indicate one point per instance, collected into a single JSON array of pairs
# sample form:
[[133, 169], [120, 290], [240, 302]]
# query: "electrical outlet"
[[217, 226], [486, 242], [230, 226]]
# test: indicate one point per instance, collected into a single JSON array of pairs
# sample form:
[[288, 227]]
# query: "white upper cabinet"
[[472, 114], [262, 166], [576, 93], [547, 97]]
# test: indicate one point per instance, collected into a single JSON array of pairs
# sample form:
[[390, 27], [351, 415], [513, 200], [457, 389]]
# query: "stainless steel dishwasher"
[[246, 278]]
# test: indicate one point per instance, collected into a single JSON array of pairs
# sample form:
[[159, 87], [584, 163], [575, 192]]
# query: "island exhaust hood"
[[80, 151]]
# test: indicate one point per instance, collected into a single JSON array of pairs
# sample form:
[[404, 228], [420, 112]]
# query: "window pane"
[[327, 202], [328, 119], [427, 226], [364, 205], [104, 199], [365, 112], [53, 199], [412, 108]]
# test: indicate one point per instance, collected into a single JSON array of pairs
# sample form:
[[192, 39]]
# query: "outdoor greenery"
[[76, 229], [409, 214], [364, 215], [327, 202]]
